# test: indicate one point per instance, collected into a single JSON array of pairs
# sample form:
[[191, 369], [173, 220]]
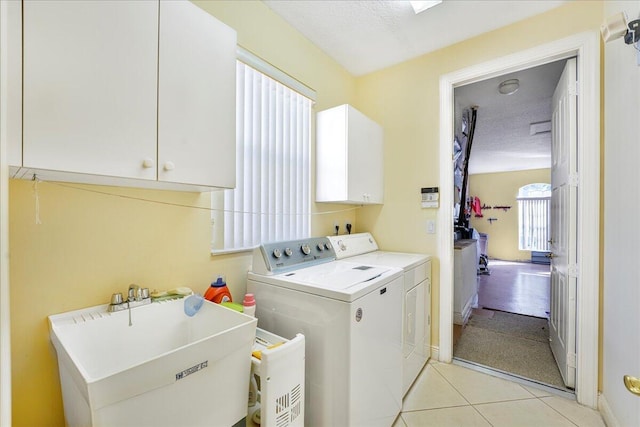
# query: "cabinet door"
[[90, 86], [196, 116], [365, 170], [11, 75]]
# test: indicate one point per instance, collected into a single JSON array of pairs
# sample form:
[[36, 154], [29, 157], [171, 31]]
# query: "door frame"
[[586, 47]]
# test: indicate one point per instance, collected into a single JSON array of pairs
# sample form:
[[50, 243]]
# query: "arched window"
[[534, 214]]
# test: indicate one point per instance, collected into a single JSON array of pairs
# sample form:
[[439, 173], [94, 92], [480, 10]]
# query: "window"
[[534, 206], [271, 200]]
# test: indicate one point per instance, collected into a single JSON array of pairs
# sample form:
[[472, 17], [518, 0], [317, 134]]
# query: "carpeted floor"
[[509, 342]]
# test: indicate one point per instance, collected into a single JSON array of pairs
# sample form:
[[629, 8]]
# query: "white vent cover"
[[539, 127]]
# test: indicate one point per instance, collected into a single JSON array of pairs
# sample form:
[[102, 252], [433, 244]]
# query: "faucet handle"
[[116, 298], [145, 293]]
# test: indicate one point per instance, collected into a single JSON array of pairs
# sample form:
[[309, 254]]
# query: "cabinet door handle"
[[169, 166], [148, 163]]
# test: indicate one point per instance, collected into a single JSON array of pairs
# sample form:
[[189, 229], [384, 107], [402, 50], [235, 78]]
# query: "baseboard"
[[606, 413], [435, 353]]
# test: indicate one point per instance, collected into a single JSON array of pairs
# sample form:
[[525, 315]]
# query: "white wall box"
[[127, 93], [349, 156]]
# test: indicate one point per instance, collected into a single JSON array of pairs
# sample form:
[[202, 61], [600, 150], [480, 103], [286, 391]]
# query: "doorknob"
[[632, 384]]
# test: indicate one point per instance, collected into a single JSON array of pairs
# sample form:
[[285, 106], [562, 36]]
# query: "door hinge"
[[572, 270], [573, 89], [429, 320], [573, 179], [571, 360]]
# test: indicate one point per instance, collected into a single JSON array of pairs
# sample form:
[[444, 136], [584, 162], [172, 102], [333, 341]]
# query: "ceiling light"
[[509, 87], [421, 6]]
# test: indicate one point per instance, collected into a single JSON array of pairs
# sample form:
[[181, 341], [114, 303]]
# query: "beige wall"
[[501, 189], [404, 99], [91, 245]]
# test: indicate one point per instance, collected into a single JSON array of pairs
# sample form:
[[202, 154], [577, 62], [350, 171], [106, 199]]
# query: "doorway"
[[509, 167], [585, 47]]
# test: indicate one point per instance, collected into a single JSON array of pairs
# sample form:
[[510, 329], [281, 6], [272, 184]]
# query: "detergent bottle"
[[218, 291]]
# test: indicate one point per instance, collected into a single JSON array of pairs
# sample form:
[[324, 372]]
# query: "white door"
[[620, 313], [563, 225]]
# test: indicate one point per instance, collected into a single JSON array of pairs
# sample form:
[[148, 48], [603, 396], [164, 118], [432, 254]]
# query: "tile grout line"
[[435, 409], [483, 417], [563, 415], [476, 405], [451, 384]]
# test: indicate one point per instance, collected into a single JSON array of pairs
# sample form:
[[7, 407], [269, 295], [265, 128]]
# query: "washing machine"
[[351, 316], [416, 308]]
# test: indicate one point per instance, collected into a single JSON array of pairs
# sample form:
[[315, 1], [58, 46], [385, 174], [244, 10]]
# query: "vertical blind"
[[534, 216], [271, 200]]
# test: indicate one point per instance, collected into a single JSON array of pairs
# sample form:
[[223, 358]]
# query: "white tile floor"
[[451, 395]]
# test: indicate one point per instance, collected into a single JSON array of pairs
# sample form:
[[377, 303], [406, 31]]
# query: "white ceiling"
[[367, 35], [502, 140]]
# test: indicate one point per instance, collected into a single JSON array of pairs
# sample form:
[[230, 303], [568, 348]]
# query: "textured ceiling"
[[502, 140], [368, 35]]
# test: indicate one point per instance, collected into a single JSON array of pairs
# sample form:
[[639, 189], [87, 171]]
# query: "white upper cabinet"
[[197, 97], [127, 92], [11, 78], [90, 87], [349, 153]]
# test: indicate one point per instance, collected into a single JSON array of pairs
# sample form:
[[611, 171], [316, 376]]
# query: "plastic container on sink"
[[161, 371]]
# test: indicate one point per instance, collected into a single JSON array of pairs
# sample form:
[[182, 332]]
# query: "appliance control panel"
[[349, 245], [289, 255]]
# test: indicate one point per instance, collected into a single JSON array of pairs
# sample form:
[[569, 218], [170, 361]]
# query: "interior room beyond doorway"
[[516, 287]]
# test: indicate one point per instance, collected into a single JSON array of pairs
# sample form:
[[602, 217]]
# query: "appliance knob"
[[277, 253], [288, 251], [320, 247], [305, 249], [327, 246]]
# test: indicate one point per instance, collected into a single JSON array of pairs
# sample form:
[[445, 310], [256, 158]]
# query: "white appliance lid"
[[402, 260], [341, 280], [336, 275]]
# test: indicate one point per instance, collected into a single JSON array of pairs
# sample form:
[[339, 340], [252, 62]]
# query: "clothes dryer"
[[351, 316], [416, 308]]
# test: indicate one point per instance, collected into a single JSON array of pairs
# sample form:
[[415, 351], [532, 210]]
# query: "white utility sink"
[[166, 369]]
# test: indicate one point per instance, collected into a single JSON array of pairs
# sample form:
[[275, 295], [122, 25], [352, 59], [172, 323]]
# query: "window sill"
[[215, 252]]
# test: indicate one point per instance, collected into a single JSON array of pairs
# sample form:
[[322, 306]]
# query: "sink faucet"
[[135, 293], [136, 297]]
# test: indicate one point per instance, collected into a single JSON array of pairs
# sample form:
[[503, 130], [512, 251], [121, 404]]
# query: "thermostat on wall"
[[429, 197]]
